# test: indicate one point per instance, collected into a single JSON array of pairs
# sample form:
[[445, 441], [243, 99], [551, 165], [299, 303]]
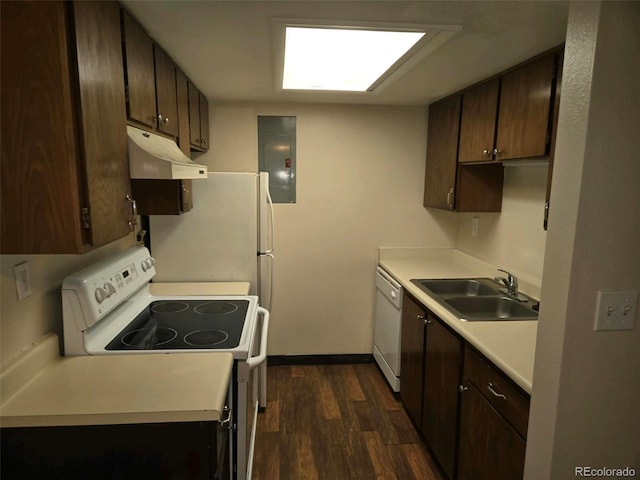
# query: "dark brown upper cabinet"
[[140, 73], [150, 79], [198, 119], [65, 187], [166, 92], [508, 117], [449, 186], [442, 153], [524, 120], [478, 123]]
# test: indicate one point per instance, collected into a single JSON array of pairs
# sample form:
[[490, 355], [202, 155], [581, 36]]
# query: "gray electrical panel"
[[277, 155]]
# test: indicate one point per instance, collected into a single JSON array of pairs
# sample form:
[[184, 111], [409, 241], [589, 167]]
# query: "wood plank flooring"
[[336, 422]]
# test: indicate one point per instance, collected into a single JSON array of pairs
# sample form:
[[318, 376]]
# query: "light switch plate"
[[23, 280], [616, 310], [475, 225]]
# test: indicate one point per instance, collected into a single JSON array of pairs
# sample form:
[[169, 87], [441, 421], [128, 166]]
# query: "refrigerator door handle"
[[270, 204]]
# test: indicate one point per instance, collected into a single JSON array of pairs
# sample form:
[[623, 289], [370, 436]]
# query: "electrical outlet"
[[616, 310], [23, 280], [475, 224]]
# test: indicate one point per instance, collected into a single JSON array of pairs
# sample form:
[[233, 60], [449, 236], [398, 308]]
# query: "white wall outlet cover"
[[23, 280], [616, 310], [475, 225]]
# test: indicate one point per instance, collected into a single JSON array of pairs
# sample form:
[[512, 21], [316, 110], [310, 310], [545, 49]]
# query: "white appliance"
[[109, 310], [388, 327], [227, 236]]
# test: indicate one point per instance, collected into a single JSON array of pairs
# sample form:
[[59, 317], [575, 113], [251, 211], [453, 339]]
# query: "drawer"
[[511, 402]]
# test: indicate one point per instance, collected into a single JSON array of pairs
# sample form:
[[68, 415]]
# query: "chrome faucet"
[[511, 282]]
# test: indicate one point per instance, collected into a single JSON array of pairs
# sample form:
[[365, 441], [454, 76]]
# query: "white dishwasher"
[[387, 330]]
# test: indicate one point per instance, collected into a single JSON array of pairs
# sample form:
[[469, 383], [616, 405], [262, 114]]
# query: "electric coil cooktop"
[[184, 324]]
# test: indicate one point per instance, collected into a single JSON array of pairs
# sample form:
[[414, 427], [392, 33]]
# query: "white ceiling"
[[226, 47]]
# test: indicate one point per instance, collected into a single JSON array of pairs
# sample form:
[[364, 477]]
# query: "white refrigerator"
[[226, 237]]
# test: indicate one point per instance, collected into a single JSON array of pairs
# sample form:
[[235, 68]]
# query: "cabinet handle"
[[134, 212], [420, 316], [494, 393], [497, 152], [462, 388], [428, 321], [486, 153], [450, 198], [166, 120]]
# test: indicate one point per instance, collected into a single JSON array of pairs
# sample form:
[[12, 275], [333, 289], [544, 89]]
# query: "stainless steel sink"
[[478, 299], [490, 308], [458, 286]]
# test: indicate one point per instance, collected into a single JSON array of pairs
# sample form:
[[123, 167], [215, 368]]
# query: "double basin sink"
[[479, 299]]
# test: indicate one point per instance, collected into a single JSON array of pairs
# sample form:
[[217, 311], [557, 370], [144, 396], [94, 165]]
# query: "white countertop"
[[41, 388], [510, 345]]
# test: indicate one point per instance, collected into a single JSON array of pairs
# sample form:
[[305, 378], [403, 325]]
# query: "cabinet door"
[[141, 87], [554, 129], [162, 197], [194, 115], [182, 91], [204, 122], [104, 138], [525, 103], [489, 448], [478, 123], [442, 372], [166, 93], [442, 153], [79, 163], [412, 358], [40, 201]]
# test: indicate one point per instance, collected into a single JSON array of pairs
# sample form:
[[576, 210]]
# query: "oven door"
[[248, 398]]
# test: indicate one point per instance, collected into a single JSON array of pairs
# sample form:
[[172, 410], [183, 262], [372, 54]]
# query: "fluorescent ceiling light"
[[342, 59]]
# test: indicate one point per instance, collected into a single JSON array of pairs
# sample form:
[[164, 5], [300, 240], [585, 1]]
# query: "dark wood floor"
[[336, 422]]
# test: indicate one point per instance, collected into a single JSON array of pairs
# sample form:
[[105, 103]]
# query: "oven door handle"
[[256, 361]]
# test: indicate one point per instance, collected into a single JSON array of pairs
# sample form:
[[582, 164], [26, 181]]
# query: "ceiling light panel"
[[342, 59]]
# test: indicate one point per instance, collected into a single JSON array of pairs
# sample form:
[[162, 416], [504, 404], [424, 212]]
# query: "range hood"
[[153, 156]]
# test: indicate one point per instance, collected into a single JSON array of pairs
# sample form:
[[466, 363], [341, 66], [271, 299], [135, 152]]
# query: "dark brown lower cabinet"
[[471, 415], [191, 450], [442, 372], [412, 358], [493, 423], [490, 449]]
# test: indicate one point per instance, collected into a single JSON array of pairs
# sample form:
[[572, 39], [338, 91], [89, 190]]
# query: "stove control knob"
[[101, 294], [147, 264], [109, 288]]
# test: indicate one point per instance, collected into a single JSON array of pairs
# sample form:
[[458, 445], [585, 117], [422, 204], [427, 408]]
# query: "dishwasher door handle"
[[256, 361]]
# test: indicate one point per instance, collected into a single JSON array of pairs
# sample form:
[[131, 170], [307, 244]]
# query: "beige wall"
[[513, 239], [360, 181], [585, 407], [24, 322]]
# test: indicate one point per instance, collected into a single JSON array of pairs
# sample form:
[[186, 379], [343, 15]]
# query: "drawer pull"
[[494, 393]]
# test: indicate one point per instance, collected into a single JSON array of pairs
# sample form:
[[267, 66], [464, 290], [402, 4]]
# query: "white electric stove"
[[108, 310]]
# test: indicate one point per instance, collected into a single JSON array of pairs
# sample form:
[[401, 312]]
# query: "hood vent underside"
[[156, 157]]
